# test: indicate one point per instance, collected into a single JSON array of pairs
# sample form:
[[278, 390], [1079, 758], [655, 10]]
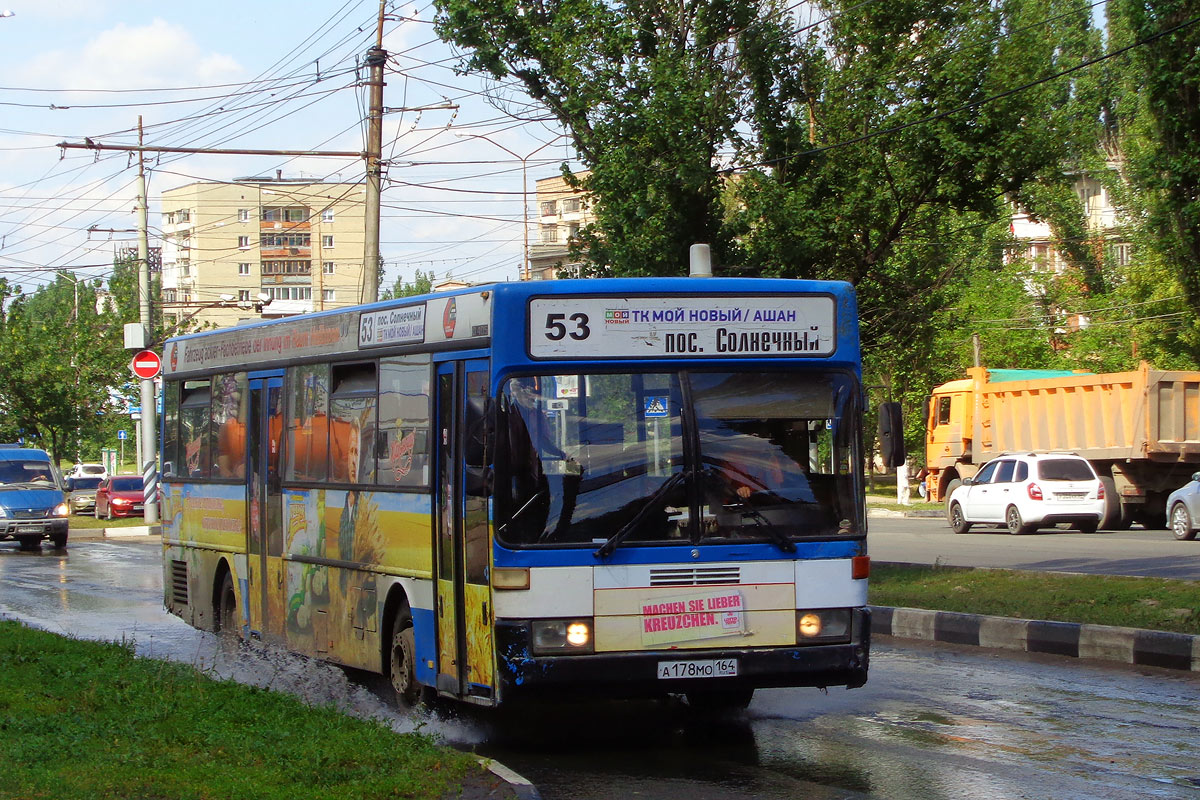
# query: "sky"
[[264, 75]]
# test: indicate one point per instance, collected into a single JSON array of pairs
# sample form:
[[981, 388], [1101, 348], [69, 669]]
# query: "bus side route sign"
[[682, 327]]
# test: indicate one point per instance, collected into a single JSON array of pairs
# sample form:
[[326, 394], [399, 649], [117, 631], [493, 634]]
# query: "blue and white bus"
[[600, 488]]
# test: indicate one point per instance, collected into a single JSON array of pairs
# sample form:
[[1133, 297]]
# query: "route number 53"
[[556, 328]]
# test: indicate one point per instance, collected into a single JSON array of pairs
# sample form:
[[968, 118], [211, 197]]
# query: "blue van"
[[32, 504]]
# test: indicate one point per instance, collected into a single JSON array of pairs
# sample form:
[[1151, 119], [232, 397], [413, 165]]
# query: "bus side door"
[[265, 509], [465, 657]]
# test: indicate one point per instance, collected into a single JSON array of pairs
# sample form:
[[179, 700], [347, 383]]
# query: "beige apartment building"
[[260, 248], [561, 212]]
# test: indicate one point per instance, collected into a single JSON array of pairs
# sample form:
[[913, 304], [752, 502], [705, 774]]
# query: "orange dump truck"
[[1139, 429]]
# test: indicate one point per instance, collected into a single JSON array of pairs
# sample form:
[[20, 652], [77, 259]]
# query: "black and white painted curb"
[[1105, 642]]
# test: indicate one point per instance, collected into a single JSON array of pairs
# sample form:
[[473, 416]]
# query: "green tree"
[[422, 283], [60, 359], [649, 92], [1156, 103]]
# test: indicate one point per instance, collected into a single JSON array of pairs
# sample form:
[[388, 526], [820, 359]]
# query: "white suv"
[[1029, 491], [87, 471]]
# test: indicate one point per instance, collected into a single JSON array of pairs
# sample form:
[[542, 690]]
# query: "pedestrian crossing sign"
[[656, 407]]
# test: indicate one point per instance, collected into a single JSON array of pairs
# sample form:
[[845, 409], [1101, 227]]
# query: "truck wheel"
[[403, 661], [59, 540], [1153, 520], [1181, 523], [950, 487], [958, 523], [1016, 525], [1116, 515]]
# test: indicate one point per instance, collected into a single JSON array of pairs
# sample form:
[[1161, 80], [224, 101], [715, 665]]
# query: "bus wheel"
[[59, 540], [226, 616], [403, 661], [718, 701]]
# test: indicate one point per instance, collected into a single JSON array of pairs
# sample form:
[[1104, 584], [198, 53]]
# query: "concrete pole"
[[376, 58], [148, 445]]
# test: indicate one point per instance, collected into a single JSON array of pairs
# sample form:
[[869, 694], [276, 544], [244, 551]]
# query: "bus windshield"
[[700, 457]]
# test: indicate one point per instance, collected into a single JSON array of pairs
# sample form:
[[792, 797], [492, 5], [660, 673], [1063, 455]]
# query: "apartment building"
[[561, 212], [260, 247], [1034, 240]]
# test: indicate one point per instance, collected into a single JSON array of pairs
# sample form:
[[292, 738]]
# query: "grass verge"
[[1151, 603], [89, 522], [87, 720]]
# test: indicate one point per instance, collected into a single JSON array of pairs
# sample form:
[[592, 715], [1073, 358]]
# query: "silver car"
[[82, 493], [1183, 506]]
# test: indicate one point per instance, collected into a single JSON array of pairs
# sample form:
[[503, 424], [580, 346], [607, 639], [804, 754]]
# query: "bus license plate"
[[712, 668]]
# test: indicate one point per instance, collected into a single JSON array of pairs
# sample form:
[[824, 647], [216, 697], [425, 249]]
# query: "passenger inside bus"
[[751, 461]]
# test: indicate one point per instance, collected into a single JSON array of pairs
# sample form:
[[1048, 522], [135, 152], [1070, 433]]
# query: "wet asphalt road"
[[933, 722], [1134, 552]]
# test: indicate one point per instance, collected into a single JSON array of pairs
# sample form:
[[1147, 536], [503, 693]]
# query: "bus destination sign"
[[682, 327]]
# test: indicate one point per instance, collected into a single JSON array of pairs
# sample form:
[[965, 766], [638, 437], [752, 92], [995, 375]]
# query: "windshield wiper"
[[605, 550], [773, 531]]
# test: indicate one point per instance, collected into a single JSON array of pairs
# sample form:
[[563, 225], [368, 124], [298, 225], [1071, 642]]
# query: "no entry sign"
[[146, 364]]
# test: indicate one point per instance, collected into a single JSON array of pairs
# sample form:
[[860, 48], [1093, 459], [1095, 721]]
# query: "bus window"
[[352, 424], [193, 428], [402, 452], [775, 452], [576, 466], [307, 423], [170, 444], [230, 400]]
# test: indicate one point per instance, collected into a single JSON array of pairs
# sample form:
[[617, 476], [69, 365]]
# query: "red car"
[[119, 496]]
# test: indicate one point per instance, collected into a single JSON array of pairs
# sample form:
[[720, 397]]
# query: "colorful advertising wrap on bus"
[[688, 327]]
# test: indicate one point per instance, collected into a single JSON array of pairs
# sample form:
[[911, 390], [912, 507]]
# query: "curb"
[[136, 533], [1076, 640], [522, 787]]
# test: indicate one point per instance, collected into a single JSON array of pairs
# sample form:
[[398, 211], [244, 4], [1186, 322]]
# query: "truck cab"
[[948, 434]]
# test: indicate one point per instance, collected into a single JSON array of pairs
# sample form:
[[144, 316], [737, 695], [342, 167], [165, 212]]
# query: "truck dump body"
[[1151, 414]]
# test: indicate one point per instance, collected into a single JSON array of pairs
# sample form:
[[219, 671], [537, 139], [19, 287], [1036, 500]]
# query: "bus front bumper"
[[636, 674]]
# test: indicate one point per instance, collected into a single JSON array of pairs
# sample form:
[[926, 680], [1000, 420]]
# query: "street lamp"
[[524, 189]]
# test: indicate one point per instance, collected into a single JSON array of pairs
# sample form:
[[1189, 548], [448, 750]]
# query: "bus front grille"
[[179, 583], [695, 576]]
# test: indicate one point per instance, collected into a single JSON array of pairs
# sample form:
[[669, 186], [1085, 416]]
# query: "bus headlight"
[[561, 636], [823, 625], [61, 510]]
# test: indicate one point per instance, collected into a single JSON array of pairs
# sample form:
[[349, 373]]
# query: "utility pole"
[[149, 444], [376, 58]]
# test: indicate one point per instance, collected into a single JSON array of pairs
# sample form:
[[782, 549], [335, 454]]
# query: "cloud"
[[129, 57]]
